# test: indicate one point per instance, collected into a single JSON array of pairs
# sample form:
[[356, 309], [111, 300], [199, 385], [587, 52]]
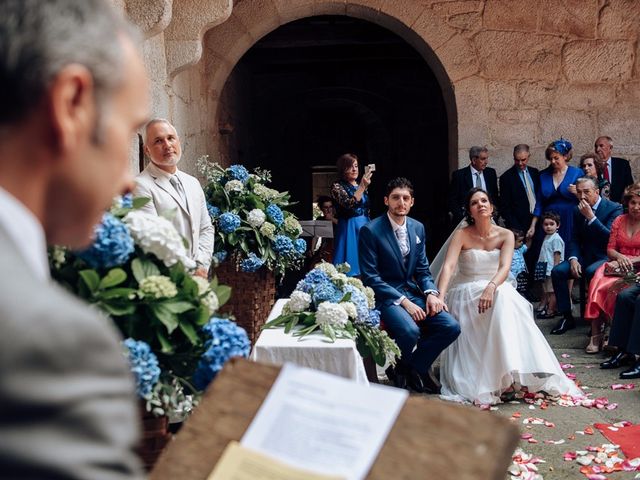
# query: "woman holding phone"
[[352, 210]]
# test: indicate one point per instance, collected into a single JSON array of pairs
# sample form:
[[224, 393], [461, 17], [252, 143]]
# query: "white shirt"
[[26, 232], [473, 178]]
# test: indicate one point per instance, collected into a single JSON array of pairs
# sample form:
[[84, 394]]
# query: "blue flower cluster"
[[144, 366], [283, 245], [238, 172], [301, 246], [312, 280], [360, 301], [214, 212], [220, 256], [326, 292], [275, 214], [127, 200], [252, 263], [374, 318], [226, 340], [113, 244], [229, 222]]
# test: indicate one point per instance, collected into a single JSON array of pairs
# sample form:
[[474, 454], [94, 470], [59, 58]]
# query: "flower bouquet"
[[138, 272], [328, 301], [253, 227]]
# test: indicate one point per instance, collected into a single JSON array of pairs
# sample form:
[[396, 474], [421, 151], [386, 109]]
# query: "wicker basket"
[[252, 296], [155, 436]]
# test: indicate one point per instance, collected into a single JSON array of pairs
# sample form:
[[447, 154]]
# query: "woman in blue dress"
[[352, 210]]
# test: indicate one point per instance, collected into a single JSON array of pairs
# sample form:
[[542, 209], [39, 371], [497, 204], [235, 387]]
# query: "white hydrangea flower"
[[268, 230], [58, 256], [234, 186], [256, 217], [350, 308], [203, 284], [211, 302], [292, 226], [157, 286], [331, 314], [300, 301], [265, 193], [157, 236], [356, 282], [371, 296], [339, 279], [327, 268]]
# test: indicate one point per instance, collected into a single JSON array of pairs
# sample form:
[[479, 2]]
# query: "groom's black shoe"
[[618, 360], [431, 385], [414, 381], [566, 323]]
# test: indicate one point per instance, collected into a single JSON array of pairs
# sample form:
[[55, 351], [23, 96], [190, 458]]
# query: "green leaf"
[[165, 344], [114, 277], [117, 308], [214, 283], [91, 279], [223, 292], [190, 333], [166, 316], [117, 293], [278, 321], [346, 298], [142, 268], [202, 316], [139, 202], [190, 287], [178, 307], [289, 326]]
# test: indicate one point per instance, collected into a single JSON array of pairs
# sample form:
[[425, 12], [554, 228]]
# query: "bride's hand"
[[435, 305], [486, 299]]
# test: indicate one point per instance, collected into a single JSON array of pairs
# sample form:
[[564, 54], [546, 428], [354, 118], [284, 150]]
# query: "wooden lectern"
[[431, 439]]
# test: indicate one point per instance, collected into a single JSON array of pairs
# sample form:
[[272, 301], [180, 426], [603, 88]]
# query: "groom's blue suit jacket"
[[381, 264]]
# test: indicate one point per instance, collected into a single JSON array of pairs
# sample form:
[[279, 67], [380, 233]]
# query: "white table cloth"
[[313, 351]]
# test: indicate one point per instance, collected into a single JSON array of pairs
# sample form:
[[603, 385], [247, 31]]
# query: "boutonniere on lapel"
[[418, 241]]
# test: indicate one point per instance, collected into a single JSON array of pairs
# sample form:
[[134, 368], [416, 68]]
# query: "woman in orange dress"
[[623, 250]]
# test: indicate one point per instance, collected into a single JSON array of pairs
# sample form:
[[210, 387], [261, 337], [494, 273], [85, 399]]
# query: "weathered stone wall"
[[511, 71]]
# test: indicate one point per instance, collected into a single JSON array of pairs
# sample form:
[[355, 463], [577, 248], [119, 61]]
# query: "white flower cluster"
[[211, 302], [58, 256], [327, 268], [350, 308], [234, 186], [265, 193], [268, 230], [331, 314], [157, 236], [339, 279], [157, 286], [256, 217], [299, 301], [292, 226], [371, 296], [203, 284]]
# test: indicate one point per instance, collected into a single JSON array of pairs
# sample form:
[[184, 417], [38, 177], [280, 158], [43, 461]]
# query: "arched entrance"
[[321, 86]]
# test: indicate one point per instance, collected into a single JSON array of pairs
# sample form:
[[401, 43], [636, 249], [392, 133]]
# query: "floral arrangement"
[[254, 229], [328, 301], [138, 272]]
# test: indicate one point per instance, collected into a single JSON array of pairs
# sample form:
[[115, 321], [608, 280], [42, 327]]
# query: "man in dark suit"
[[592, 220], [519, 187], [393, 262], [73, 91], [616, 170], [477, 174]]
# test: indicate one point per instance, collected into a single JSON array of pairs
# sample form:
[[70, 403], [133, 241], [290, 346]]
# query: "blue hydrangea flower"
[[229, 222], [113, 244], [220, 256], [225, 340], [238, 172], [326, 292], [301, 246], [275, 214], [283, 245], [360, 301], [374, 318], [144, 366], [311, 280], [252, 263], [214, 212], [127, 200]]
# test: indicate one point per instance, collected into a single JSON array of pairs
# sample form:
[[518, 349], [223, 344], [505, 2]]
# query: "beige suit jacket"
[[191, 220]]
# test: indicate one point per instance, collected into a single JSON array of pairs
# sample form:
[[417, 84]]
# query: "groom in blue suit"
[[394, 264]]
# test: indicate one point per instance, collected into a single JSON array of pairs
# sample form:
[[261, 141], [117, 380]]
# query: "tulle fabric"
[[499, 348]]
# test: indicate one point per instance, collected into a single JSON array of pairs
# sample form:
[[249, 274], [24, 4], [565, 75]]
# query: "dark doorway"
[[322, 86]]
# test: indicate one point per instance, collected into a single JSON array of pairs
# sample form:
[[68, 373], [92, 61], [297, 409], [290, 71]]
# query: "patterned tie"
[[175, 181], [403, 240], [478, 180], [606, 172], [530, 194]]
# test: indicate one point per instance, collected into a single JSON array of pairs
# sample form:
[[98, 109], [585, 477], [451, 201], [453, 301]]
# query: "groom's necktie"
[[403, 240], [177, 185]]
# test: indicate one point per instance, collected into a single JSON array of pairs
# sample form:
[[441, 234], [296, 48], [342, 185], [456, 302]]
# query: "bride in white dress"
[[500, 346]]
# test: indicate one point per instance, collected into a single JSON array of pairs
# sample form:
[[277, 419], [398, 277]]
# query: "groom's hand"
[[414, 310], [435, 305]]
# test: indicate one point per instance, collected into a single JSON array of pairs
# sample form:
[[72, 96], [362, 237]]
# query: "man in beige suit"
[[175, 194], [73, 91]]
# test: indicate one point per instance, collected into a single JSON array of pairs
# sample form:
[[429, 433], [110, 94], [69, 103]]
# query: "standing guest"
[[394, 264], [551, 254], [321, 247], [175, 192], [73, 91], [616, 170], [623, 251], [592, 167], [352, 210], [518, 264], [477, 175], [625, 333], [592, 218]]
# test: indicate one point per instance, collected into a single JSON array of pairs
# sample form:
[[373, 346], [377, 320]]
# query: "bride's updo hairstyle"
[[467, 209]]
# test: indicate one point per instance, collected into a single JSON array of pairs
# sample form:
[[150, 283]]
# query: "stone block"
[[461, 14], [191, 18], [584, 96], [458, 58], [182, 54], [598, 60], [258, 16], [151, 17], [154, 55], [472, 100], [629, 93], [579, 127], [502, 95], [326, 7], [433, 29], [620, 19], [519, 15], [570, 17], [405, 11], [506, 55], [511, 127], [621, 123], [501, 158], [536, 93], [222, 38]]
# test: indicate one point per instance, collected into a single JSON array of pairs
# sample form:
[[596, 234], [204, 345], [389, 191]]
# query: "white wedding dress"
[[498, 348]]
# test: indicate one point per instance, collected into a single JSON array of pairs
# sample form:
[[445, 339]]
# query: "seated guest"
[[625, 333], [623, 250], [477, 174], [394, 264], [616, 170], [587, 249], [592, 167], [321, 247]]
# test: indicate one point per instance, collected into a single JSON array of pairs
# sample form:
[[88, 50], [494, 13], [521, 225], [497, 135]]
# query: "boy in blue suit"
[[394, 264]]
